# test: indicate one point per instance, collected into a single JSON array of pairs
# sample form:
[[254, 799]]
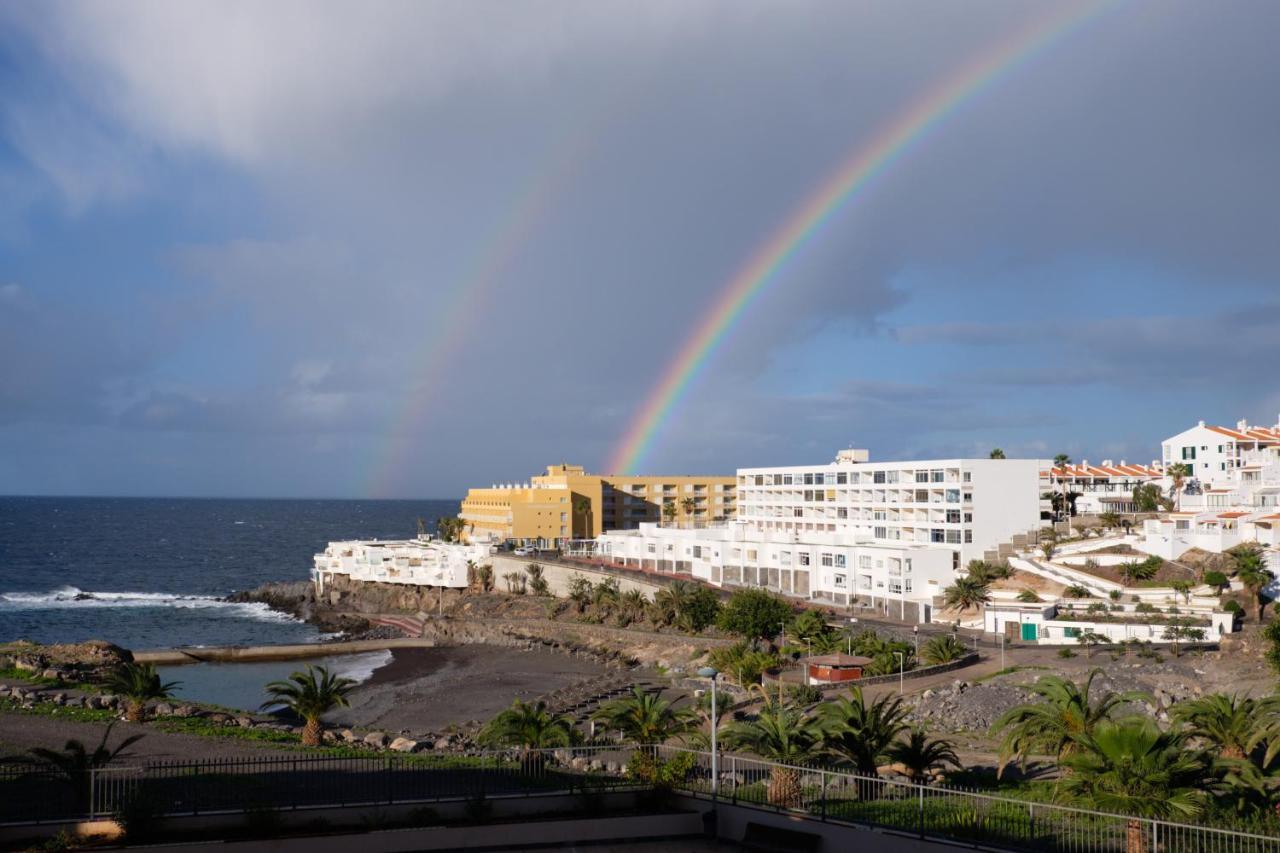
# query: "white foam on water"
[[70, 597], [359, 667]]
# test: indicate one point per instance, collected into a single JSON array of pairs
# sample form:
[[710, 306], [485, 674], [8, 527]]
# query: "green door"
[[1029, 631]]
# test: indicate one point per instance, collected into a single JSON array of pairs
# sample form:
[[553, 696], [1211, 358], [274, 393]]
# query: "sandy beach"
[[429, 689]]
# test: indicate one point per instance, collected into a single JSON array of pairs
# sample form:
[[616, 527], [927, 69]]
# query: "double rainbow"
[[905, 131]]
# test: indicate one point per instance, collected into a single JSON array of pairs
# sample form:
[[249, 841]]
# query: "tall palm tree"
[[997, 453], [1065, 712], [670, 601], [1060, 462], [861, 733], [1233, 724], [530, 726], [632, 605], [919, 755], [687, 505], [967, 593], [139, 683], [783, 734], [310, 693], [1130, 767], [582, 509], [1177, 474], [669, 511], [646, 718]]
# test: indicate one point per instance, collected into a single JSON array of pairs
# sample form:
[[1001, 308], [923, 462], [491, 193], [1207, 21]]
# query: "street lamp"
[[915, 632], [901, 670], [808, 654], [711, 672], [853, 624], [1002, 651]]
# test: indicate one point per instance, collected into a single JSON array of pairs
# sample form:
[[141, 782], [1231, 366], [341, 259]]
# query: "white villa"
[[1104, 488], [1231, 497], [893, 534], [420, 562]]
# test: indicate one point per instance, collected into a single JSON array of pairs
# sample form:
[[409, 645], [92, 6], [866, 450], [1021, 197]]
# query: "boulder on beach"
[[377, 739], [404, 744]]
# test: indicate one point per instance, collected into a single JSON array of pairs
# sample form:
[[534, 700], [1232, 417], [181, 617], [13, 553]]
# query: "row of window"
[[841, 478]]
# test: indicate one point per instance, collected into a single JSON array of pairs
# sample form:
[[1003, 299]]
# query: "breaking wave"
[[70, 597]]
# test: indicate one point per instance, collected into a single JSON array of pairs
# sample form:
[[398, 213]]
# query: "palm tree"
[[687, 505], [1048, 548], [919, 756], [1132, 768], [646, 718], [1252, 572], [1089, 639], [74, 763], [310, 694], [670, 601], [529, 726], [967, 593], [1109, 519], [1060, 463], [1077, 591], [943, 649], [669, 511], [1233, 724], [1183, 588], [582, 509], [537, 581], [138, 683], [631, 606], [859, 733], [1177, 474], [782, 734], [1029, 596], [1066, 711], [997, 453]]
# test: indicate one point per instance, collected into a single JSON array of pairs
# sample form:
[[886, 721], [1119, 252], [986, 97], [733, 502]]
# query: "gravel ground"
[[20, 732]]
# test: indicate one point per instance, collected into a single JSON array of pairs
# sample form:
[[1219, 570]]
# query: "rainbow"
[[468, 301], [905, 131]]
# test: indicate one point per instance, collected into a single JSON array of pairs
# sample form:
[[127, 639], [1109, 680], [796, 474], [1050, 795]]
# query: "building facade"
[[890, 535], [568, 503], [1231, 497], [420, 562], [1103, 488]]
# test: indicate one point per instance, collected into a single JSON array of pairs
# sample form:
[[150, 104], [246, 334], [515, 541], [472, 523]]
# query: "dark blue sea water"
[[147, 573]]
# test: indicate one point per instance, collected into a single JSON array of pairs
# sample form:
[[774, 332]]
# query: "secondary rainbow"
[[906, 130], [468, 302]]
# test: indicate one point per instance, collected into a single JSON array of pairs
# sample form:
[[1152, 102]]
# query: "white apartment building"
[[833, 568], [1232, 496], [965, 506], [890, 534], [421, 562]]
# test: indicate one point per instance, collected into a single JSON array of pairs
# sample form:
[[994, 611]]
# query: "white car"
[[523, 552]]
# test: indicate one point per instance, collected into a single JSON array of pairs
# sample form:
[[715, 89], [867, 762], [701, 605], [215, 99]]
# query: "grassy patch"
[[48, 709]]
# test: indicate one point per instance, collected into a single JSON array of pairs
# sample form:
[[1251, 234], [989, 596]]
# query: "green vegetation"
[[743, 662], [689, 606], [646, 718], [920, 756], [1217, 580], [310, 694], [449, 528], [1135, 570], [1052, 726], [754, 614], [861, 733], [1147, 497], [781, 733], [530, 726], [943, 649], [537, 581], [967, 593], [1248, 561], [136, 684]]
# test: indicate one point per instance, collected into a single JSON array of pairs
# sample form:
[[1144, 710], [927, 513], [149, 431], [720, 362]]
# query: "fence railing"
[[951, 814], [35, 794]]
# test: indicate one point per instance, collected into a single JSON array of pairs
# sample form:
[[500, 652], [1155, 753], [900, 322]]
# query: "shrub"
[[943, 649], [1029, 596], [1064, 652], [804, 694], [1218, 580], [1097, 607], [1114, 595], [753, 614], [1144, 607], [1233, 607]]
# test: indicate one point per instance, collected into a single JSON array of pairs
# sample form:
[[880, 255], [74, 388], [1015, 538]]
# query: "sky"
[[396, 249]]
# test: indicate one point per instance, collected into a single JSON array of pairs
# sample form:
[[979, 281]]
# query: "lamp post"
[[902, 658], [1002, 651], [915, 632], [711, 672], [853, 624], [808, 654]]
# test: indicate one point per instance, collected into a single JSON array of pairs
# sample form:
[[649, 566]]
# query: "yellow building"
[[568, 503]]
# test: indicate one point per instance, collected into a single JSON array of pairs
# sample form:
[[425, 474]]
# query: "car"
[[523, 552]]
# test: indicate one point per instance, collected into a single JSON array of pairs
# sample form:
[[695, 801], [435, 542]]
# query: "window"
[[804, 558], [968, 537], [697, 552], [968, 477], [1188, 453], [839, 561], [842, 479], [881, 533], [864, 562], [953, 496], [827, 559], [937, 535], [877, 477], [953, 537], [953, 516], [922, 476], [784, 558], [840, 580], [1070, 633], [650, 548], [935, 476], [751, 555], [968, 518], [907, 581]]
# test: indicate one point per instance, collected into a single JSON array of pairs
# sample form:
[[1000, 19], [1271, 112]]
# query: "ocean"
[[149, 572]]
